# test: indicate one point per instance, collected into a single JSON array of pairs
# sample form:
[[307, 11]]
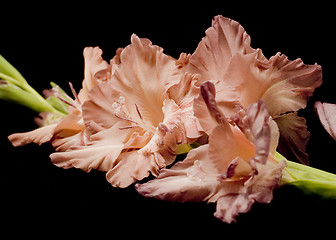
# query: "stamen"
[[65, 101], [126, 119], [128, 127], [74, 92], [136, 106]]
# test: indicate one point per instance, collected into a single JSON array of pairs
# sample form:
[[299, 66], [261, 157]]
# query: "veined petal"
[[38, 136], [185, 181], [223, 39], [143, 78], [101, 153], [291, 83], [103, 106]]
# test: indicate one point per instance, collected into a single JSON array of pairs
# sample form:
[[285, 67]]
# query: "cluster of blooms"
[[226, 104]]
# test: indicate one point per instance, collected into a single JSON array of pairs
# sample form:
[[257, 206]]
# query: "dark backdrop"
[[45, 43]]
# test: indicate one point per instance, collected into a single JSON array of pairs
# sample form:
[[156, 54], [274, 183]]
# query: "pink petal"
[[184, 93], [99, 109], [223, 39], [291, 83], [185, 181], [38, 136], [327, 115], [143, 78], [93, 63], [121, 175], [103, 149]]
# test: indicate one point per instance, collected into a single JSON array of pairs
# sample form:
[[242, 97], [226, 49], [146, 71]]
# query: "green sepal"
[[11, 92]]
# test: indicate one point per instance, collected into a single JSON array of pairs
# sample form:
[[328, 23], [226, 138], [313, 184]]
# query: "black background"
[[45, 43]]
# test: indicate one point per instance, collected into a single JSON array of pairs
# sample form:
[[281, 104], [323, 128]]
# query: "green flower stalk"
[[308, 179], [14, 88]]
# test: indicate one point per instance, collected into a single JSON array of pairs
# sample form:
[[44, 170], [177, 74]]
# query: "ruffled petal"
[[143, 78], [223, 39], [38, 136], [291, 83], [185, 181], [121, 175], [103, 149], [327, 115], [93, 63], [103, 107], [184, 93]]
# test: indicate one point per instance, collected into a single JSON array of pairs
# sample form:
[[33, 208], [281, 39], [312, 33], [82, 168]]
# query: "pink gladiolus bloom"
[[137, 117], [65, 131], [243, 75], [235, 169]]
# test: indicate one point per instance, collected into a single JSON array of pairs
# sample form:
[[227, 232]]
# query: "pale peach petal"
[[185, 181], [144, 76], [164, 141], [294, 137], [223, 39], [291, 83], [184, 93], [236, 145], [101, 152], [38, 136], [65, 143], [70, 125], [327, 115], [229, 206], [103, 107], [121, 175], [93, 63]]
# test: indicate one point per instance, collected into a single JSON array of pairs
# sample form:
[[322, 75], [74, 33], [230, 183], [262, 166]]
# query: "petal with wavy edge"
[[101, 152], [185, 181], [102, 107], [38, 136], [291, 84], [223, 40], [93, 62], [184, 93], [143, 78]]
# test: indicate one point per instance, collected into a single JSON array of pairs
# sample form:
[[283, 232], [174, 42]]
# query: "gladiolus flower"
[[243, 75], [235, 169], [137, 117], [64, 130]]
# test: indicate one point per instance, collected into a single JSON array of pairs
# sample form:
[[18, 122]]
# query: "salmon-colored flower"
[[137, 117], [67, 130], [243, 75], [235, 169]]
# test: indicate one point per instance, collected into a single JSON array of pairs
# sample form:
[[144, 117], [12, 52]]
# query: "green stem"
[[15, 88], [308, 179]]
